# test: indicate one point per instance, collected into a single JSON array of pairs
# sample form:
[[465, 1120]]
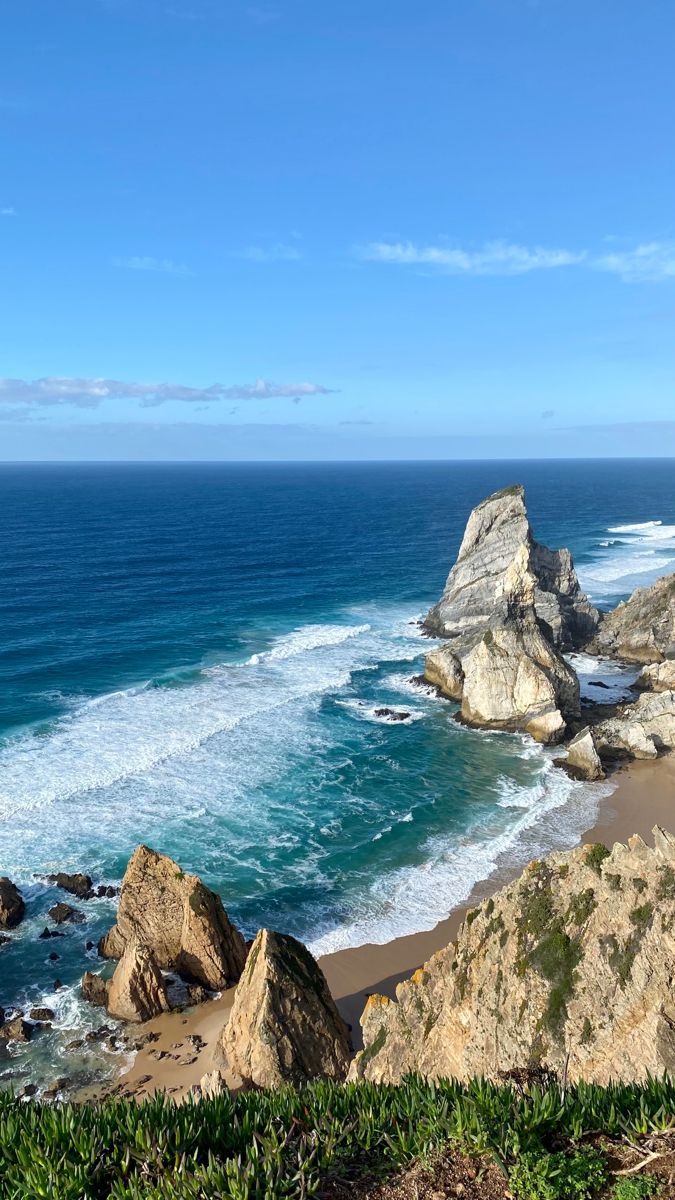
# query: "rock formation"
[[657, 677], [583, 760], [12, 907], [509, 607], [570, 966], [284, 1026], [137, 990], [642, 629], [179, 919], [95, 989], [643, 729], [477, 591], [79, 885]]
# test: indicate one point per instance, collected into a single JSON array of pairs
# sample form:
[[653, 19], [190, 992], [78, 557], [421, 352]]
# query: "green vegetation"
[[596, 856], [635, 1187], [581, 906], [665, 888], [547, 946], [294, 1143]]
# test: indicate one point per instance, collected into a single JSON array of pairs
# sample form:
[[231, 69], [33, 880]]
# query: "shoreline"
[[183, 1045]]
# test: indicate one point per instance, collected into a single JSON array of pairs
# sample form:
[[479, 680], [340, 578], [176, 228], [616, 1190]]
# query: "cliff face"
[[476, 595], [574, 963], [642, 629]]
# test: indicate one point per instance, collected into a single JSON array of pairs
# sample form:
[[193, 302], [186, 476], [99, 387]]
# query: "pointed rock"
[[642, 629], [179, 919], [284, 1026], [12, 907], [137, 990], [583, 761], [95, 989]]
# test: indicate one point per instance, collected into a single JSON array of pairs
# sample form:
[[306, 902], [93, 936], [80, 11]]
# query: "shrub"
[[559, 1176], [635, 1187]]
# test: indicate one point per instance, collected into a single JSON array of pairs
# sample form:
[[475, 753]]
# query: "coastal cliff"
[[572, 967]]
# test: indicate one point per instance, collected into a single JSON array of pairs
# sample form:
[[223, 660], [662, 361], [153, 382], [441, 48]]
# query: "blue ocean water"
[[192, 656]]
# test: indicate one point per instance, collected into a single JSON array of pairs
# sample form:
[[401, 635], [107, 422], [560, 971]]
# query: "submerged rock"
[[570, 967], [12, 907], [475, 595], [179, 919], [642, 629], [137, 990], [284, 1026]]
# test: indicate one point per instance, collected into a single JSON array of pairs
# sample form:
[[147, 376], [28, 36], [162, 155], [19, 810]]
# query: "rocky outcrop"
[[514, 679], [570, 967], [443, 669], [179, 919], [65, 914], [476, 595], [284, 1026], [642, 629], [78, 884], [644, 729], [657, 677], [95, 989], [137, 990], [12, 907], [583, 760]]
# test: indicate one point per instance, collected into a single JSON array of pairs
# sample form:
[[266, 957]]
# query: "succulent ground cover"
[[479, 1140]]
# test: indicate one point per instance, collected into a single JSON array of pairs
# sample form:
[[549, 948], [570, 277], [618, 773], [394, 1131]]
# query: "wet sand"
[[644, 796]]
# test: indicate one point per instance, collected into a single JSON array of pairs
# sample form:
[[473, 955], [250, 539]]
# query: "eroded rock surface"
[[576, 958], [12, 907], [657, 677], [475, 597], [583, 760], [642, 629], [95, 988], [182, 922], [644, 729], [284, 1026], [137, 990]]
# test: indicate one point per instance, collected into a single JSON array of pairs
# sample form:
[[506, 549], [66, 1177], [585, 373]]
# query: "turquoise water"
[[192, 656]]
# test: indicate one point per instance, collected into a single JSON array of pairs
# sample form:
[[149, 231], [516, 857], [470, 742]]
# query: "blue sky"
[[366, 229]]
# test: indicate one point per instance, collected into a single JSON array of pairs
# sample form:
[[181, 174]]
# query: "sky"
[[311, 229]]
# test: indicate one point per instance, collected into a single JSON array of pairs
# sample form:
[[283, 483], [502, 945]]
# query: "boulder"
[[210, 1085], [583, 760], [42, 1015], [16, 1030], [475, 595], [95, 989], [63, 914], [642, 629], [284, 1026], [643, 729], [515, 679], [137, 990], [443, 669], [12, 907], [78, 884], [569, 968], [179, 919], [657, 677]]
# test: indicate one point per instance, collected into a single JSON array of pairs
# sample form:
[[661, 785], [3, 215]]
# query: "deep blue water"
[[191, 655]]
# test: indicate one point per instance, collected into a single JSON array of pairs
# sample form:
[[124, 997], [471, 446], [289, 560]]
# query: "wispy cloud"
[[492, 258], [8, 211], [145, 262], [646, 263], [278, 252], [90, 393]]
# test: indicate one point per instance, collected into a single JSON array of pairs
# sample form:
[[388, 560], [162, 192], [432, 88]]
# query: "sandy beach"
[[183, 1045]]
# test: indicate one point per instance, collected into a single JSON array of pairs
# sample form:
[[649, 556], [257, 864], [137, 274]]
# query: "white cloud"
[[8, 211], [646, 263], [145, 262], [90, 393], [492, 258]]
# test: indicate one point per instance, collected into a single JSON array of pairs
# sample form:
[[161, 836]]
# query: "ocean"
[[193, 656]]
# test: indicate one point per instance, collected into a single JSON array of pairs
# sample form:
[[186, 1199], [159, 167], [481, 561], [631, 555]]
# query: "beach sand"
[[644, 796]]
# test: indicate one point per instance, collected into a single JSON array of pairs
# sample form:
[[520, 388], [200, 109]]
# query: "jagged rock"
[[16, 1030], [443, 670], [515, 679], [476, 592], [392, 714], [639, 730], [657, 677], [570, 967], [95, 989], [642, 629], [77, 884], [284, 1025], [211, 1084], [64, 913], [137, 990], [12, 907], [42, 1015], [583, 761], [179, 919]]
